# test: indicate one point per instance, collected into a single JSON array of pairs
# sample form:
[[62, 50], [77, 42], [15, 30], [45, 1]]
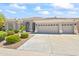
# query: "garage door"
[[68, 28], [54, 28]]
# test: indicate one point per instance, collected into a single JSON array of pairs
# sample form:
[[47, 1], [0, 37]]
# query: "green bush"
[[24, 35], [2, 35], [10, 33], [16, 31], [12, 39]]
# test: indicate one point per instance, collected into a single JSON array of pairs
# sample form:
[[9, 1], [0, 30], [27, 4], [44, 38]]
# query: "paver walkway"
[[67, 45]]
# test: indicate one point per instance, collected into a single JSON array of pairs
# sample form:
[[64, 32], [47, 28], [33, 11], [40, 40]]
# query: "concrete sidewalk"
[[12, 52], [53, 44]]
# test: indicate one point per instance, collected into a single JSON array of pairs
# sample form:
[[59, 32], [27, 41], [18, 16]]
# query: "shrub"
[[12, 39], [16, 31], [24, 35], [2, 35], [10, 33]]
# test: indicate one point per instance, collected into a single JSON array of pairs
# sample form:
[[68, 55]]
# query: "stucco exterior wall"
[[77, 25], [16, 24]]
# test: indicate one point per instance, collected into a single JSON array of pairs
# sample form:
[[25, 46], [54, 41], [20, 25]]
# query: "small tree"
[[22, 28], [2, 20]]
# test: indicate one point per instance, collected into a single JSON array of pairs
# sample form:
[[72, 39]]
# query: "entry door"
[[68, 28]]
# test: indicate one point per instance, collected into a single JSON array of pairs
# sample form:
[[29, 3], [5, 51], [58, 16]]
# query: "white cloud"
[[44, 12], [62, 14], [63, 5], [41, 11], [38, 8], [57, 12], [72, 12], [18, 6], [10, 11]]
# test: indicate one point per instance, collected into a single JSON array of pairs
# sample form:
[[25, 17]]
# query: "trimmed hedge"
[[24, 35], [12, 39], [10, 33], [2, 35]]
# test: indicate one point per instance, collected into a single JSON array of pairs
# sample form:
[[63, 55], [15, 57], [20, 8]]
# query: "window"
[[71, 24], [63, 24], [67, 24], [56, 24], [48, 24], [51, 24]]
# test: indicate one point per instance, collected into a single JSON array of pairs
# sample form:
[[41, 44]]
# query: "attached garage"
[[47, 28], [55, 26], [68, 28]]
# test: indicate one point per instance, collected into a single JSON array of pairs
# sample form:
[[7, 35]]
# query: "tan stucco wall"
[[77, 25], [46, 21]]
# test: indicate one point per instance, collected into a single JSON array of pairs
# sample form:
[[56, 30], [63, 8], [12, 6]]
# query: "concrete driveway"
[[67, 45]]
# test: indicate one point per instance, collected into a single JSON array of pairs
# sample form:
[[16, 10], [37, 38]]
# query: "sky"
[[25, 10]]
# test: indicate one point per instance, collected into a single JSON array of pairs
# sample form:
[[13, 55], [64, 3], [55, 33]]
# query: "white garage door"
[[48, 29], [68, 28]]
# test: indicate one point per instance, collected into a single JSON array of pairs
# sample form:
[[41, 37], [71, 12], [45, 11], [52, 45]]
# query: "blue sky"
[[20, 10]]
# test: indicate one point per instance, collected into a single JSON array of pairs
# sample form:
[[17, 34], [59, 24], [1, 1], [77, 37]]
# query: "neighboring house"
[[46, 25]]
